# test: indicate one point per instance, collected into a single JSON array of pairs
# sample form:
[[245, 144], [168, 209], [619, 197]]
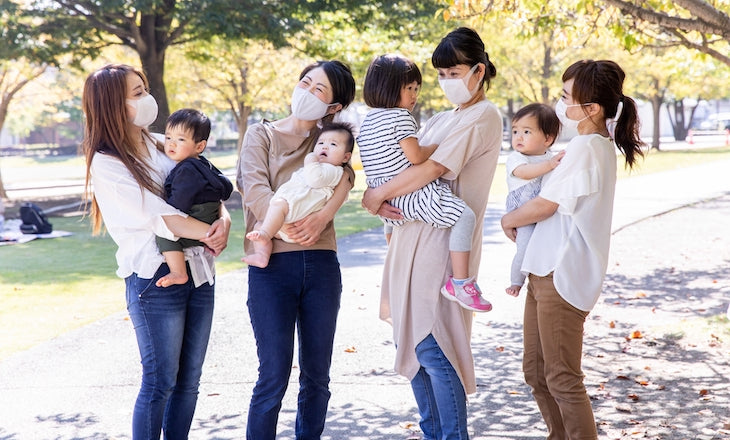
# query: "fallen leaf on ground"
[[633, 397], [636, 334], [351, 350], [500, 349]]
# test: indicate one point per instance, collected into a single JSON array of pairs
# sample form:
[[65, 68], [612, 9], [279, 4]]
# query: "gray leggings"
[[517, 278], [461, 232]]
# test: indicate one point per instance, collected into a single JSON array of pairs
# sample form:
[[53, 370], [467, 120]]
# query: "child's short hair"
[[386, 76], [547, 120], [343, 127], [191, 119]]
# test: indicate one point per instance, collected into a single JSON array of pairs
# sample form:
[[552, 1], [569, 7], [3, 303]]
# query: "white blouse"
[[133, 217], [574, 242]]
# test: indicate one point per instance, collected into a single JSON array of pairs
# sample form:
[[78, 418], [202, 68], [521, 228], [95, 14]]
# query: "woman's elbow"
[[433, 169], [546, 208]]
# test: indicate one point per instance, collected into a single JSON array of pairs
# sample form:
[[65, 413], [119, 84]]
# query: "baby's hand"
[[555, 160]]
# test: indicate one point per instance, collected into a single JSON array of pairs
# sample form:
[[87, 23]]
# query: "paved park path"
[[668, 286]]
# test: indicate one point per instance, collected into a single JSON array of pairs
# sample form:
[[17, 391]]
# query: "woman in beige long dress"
[[431, 333]]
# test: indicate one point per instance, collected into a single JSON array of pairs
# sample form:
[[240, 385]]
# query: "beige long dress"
[[417, 264]]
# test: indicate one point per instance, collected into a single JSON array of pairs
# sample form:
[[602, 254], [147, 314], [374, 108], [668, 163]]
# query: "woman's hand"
[[217, 236], [372, 200], [374, 204], [510, 232], [306, 231]]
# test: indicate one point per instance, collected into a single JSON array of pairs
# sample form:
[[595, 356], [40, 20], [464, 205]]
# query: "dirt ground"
[[657, 347]]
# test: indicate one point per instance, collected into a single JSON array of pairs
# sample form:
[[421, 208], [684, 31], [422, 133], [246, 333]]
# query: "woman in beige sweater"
[[299, 290]]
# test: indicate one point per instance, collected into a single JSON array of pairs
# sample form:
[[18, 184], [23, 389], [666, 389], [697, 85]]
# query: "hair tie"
[[612, 122]]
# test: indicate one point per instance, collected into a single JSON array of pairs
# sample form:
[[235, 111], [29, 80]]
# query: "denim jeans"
[[439, 394], [299, 290], [172, 325]]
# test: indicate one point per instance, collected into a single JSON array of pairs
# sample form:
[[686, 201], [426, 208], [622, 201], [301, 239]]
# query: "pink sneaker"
[[468, 295]]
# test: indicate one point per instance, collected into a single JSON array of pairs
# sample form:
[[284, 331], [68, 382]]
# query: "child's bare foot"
[[262, 249], [257, 260], [513, 290], [258, 235], [172, 278]]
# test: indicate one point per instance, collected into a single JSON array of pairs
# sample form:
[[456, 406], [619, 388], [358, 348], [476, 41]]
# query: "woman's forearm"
[[338, 197], [412, 179], [533, 211], [187, 227]]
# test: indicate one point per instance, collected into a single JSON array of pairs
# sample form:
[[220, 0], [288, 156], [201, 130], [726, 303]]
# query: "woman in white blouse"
[[567, 255], [125, 171]]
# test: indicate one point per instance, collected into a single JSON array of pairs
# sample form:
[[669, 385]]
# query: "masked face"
[[457, 89], [561, 109], [146, 110], [306, 106]]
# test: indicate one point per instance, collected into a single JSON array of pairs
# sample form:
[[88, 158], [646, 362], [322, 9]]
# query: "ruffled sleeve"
[[575, 177]]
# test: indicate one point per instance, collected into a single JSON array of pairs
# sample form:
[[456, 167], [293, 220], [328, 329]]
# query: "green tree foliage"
[[249, 77], [16, 69], [239, 76], [149, 27]]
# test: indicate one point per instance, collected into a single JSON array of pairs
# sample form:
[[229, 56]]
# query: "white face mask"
[[146, 107], [457, 90], [306, 106], [560, 110]]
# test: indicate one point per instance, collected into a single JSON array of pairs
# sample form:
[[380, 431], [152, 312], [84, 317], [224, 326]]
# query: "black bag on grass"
[[34, 220]]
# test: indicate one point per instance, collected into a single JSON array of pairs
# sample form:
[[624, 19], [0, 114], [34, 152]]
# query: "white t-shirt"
[[574, 242], [133, 216]]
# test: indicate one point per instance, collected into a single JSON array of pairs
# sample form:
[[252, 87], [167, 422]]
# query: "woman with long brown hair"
[[125, 170]]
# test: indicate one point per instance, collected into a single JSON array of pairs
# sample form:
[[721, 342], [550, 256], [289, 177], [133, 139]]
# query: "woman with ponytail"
[[567, 255]]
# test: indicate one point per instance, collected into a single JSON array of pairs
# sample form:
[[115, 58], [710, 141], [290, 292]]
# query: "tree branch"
[[706, 12], [702, 48], [666, 21], [101, 19]]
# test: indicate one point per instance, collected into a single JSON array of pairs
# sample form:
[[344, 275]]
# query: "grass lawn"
[[48, 287]]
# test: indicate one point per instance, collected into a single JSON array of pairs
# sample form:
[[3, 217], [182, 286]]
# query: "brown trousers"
[[553, 338]]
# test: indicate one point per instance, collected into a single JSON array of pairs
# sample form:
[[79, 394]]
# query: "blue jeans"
[[172, 325], [299, 289], [439, 394]]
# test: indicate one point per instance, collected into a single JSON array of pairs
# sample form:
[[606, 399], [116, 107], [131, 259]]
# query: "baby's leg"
[[460, 243], [388, 232], [517, 278], [461, 287], [178, 271], [263, 233]]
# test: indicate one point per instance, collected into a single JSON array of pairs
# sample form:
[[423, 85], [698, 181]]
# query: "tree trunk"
[[679, 128], [3, 193], [151, 50], [547, 62], [242, 122], [656, 106]]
